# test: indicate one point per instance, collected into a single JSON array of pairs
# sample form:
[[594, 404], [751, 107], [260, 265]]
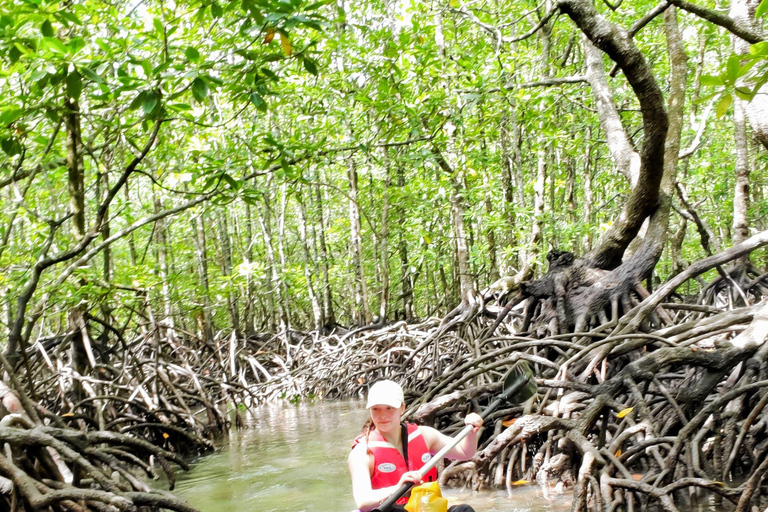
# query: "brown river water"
[[294, 459]]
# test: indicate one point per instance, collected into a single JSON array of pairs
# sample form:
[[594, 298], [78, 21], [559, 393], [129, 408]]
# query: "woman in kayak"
[[377, 462]]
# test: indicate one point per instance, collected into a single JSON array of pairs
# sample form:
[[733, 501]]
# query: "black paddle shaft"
[[403, 489]]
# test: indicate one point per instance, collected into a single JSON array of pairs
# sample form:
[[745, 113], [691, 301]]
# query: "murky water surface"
[[294, 459]]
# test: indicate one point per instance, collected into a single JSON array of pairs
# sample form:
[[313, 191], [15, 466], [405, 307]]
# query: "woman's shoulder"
[[431, 436]]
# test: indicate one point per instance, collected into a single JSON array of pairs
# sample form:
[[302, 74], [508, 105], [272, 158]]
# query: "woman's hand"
[[475, 420], [410, 476]]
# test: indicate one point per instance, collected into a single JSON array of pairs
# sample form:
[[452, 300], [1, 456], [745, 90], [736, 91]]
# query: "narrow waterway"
[[294, 459]]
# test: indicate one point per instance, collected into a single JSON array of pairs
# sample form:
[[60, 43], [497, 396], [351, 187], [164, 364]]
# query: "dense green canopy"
[[271, 164]]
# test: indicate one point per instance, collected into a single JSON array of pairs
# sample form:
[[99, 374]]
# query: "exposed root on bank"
[[646, 400]]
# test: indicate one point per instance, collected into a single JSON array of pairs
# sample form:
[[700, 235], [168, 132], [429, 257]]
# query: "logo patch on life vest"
[[425, 457], [386, 467]]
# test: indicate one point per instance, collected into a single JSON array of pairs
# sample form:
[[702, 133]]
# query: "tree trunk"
[[538, 201], [131, 241], [76, 187], [202, 270], [407, 277], [282, 282], [466, 286], [250, 306], [490, 234], [275, 289], [226, 269], [755, 111], [510, 165], [161, 246], [658, 228], [384, 240], [327, 296], [75, 168], [586, 242], [362, 313], [317, 309], [741, 191], [643, 198]]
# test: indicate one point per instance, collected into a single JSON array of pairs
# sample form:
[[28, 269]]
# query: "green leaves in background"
[[74, 85], [200, 89]]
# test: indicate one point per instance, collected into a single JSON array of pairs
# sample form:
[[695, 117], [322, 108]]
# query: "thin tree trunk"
[[317, 309], [161, 246], [743, 11], [76, 187], [538, 202], [466, 286], [249, 307], [284, 306], [131, 241], [384, 241], [202, 270], [588, 198], [490, 234], [362, 313], [755, 111], [226, 268], [328, 311], [75, 168], [741, 192], [275, 289], [407, 277]]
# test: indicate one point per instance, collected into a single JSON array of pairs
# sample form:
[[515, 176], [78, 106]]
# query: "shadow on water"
[[293, 459]]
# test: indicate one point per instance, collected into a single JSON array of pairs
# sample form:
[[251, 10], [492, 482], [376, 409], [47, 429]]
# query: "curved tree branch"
[[642, 201], [733, 26]]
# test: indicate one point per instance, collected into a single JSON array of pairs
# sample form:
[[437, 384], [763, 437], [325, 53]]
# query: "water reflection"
[[293, 459]]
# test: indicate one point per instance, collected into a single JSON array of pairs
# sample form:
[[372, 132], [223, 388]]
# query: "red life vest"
[[388, 462]]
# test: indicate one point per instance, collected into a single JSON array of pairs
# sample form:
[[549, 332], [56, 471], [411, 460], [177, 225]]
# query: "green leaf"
[[47, 29], [76, 44], [761, 9], [52, 115], [200, 88], [258, 101], [235, 184], [192, 54], [54, 45], [759, 49], [66, 15], [317, 5], [137, 101], [732, 68], [11, 146], [180, 107], [159, 29], [310, 66], [744, 93], [14, 54], [74, 85], [710, 80], [746, 68], [216, 10], [723, 105], [760, 83], [149, 102]]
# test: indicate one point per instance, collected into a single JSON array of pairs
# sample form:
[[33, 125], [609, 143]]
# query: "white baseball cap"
[[385, 392]]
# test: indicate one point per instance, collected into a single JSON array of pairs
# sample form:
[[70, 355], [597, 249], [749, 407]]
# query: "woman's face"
[[386, 417]]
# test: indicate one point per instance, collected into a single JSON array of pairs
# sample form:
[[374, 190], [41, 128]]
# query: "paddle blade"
[[519, 385]]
